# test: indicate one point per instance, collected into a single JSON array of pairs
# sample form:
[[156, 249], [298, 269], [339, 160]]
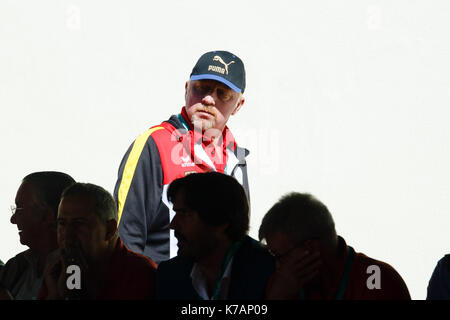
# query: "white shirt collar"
[[199, 282]]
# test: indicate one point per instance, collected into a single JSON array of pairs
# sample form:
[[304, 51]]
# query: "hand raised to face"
[[65, 277], [293, 271]]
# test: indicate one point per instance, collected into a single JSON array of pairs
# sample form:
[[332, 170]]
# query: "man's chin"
[[202, 124], [183, 254], [23, 240]]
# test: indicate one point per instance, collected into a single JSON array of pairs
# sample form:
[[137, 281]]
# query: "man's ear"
[[238, 105], [222, 229], [48, 214], [111, 229], [186, 89], [49, 217]]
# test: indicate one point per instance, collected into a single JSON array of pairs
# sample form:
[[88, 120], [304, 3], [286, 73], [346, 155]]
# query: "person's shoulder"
[[387, 272], [28, 253], [371, 274], [439, 283], [250, 244], [163, 131], [139, 258], [173, 271], [443, 266], [255, 253], [367, 261], [15, 267], [251, 270], [136, 259], [167, 125], [23, 257], [153, 131], [445, 261], [369, 264], [175, 264], [173, 279]]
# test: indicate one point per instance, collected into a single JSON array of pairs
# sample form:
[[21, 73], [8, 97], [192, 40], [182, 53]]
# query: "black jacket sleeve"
[[138, 195]]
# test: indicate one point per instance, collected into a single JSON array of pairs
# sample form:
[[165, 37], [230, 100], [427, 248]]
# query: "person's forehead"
[[25, 193], [278, 240], [75, 207], [178, 200]]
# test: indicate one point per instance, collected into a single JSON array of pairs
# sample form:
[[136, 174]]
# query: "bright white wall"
[[347, 100]]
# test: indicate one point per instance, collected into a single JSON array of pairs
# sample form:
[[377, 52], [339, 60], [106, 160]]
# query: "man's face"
[[286, 250], [297, 264], [210, 103], [196, 239], [79, 228], [29, 216], [282, 246], [279, 244]]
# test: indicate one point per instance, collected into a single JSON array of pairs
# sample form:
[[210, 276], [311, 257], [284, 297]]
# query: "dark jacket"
[[251, 269], [439, 284]]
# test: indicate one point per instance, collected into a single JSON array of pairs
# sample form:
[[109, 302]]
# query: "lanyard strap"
[[346, 276], [228, 256], [344, 280]]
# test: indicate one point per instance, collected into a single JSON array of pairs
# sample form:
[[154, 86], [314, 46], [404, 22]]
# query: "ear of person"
[[111, 229], [238, 106]]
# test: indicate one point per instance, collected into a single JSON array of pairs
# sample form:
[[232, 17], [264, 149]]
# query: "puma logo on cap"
[[219, 69]]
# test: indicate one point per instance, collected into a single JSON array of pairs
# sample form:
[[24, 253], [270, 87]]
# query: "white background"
[[347, 100]]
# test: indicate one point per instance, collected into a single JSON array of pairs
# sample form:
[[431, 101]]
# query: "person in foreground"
[[216, 259], [34, 213], [314, 263], [439, 283], [93, 262]]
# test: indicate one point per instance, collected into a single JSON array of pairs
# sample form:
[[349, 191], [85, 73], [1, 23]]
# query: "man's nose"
[[174, 222], [209, 100], [71, 232], [67, 232], [13, 219]]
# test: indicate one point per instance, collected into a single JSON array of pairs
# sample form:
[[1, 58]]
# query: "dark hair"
[[102, 201], [300, 216], [49, 185], [217, 198]]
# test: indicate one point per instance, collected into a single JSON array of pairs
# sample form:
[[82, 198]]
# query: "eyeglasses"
[[203, 89], [280, 256], [14, 208], [296, 245]]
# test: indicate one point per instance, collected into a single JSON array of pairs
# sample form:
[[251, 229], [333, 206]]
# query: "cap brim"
[[217, 78]]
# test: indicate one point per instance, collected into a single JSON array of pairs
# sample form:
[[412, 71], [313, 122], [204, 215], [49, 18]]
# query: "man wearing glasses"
[[34, 213], [195, 140], [314, 263]]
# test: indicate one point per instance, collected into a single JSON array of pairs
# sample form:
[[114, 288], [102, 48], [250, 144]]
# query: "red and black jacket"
[[156, 158]]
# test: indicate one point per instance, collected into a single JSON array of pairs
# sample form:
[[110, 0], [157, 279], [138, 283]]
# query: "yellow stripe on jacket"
[[130, 167]]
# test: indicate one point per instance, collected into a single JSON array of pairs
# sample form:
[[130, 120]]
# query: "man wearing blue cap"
[[195, 140]]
